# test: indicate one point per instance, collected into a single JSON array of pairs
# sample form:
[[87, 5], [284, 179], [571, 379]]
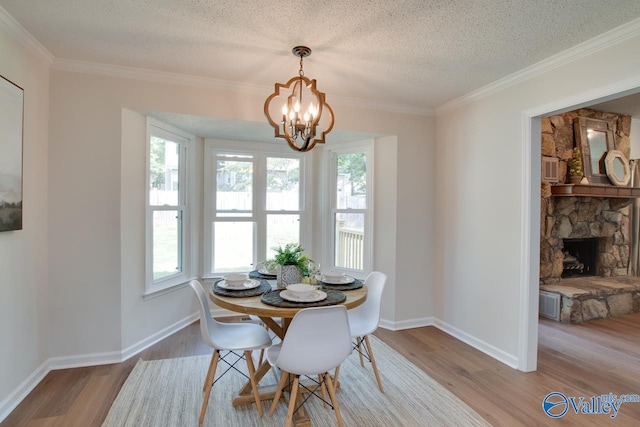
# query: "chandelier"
[[298, 128]]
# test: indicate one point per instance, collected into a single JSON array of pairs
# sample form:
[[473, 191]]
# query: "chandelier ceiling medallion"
[[292, 124]]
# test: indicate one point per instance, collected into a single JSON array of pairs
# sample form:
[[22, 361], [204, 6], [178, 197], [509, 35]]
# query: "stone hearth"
[[590, 298]]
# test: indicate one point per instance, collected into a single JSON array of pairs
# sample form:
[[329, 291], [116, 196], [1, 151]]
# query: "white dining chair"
[[232, 338], [317, 341], [364, 320]]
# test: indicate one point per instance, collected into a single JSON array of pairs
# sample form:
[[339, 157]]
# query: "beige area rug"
[[169, 393]]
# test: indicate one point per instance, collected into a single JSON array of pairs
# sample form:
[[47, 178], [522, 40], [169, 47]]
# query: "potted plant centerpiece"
[[291, 263], [575, 167]]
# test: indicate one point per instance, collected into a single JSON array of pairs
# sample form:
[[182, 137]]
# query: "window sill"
[[159, 292]]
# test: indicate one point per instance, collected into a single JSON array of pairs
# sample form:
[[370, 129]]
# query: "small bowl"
[[333, 275], [235, 280], [300, 290]]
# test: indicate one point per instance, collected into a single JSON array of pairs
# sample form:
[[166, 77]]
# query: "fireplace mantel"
[[589, 190]]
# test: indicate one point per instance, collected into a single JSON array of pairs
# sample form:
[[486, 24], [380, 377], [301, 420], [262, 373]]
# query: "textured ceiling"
[[629, 105], [416, 53]]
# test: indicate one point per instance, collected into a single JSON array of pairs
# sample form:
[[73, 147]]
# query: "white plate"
[[266, 272], [248, 284], [345, 280], [316, 295]]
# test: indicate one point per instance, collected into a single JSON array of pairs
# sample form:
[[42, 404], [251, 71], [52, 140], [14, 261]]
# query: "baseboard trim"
[[13, 400], [502, 356], [158, 336], [406, 324], [81, 360]]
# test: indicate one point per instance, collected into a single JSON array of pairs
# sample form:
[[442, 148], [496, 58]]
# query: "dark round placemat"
[[273, 298], [255, 274], [356, 284], [264, 287]]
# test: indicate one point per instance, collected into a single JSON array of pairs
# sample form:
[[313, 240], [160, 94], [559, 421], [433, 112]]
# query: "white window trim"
[[260, 151], [328, 234], [189, 227]]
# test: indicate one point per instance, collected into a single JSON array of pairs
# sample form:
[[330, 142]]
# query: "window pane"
[[233, 246], [349, 240], [351, 180], [164, 172], [281, 229], [234, 183], [283, 184], [166, 244]]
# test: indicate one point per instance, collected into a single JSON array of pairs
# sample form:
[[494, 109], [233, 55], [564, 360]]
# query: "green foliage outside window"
[[355, 166]]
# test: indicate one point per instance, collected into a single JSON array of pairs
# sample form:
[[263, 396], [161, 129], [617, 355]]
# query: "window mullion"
[[260, 209]]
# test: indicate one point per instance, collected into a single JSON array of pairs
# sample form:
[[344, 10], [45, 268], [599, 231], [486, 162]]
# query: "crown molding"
[[119, 71], [22, 36], [589, 47]]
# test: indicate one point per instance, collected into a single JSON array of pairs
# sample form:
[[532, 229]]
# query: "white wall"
[[23, 254], [385, 224], [480, 147]]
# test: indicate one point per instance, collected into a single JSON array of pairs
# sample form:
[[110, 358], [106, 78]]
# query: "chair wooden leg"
[[334, 399], [292, 401], [211, 372], [335, 376], [359, 341], [209, 385], [261, 357], [283, 381], [252, 378], [323, 391], [373, 362]]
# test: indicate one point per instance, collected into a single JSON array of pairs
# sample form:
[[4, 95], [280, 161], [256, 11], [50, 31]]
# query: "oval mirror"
[[617, 167]]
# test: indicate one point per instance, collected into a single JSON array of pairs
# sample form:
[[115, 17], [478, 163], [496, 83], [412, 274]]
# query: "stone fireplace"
[[603, 218], [570, 219], [585, 241]]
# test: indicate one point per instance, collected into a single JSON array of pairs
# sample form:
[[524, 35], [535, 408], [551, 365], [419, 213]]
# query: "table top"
[[253, 305]]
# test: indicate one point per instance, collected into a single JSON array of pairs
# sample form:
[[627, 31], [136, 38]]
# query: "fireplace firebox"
[[580, 257]]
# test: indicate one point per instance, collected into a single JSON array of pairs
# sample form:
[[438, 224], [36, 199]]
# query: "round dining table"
[[268, 314]]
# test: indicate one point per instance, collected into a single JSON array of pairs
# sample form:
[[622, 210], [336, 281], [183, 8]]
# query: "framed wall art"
[[11, 123]]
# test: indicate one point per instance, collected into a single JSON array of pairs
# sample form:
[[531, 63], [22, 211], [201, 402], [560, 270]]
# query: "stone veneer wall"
[[582, 217]]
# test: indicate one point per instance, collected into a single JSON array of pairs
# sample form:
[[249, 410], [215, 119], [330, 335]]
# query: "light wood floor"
[[586, 360]]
